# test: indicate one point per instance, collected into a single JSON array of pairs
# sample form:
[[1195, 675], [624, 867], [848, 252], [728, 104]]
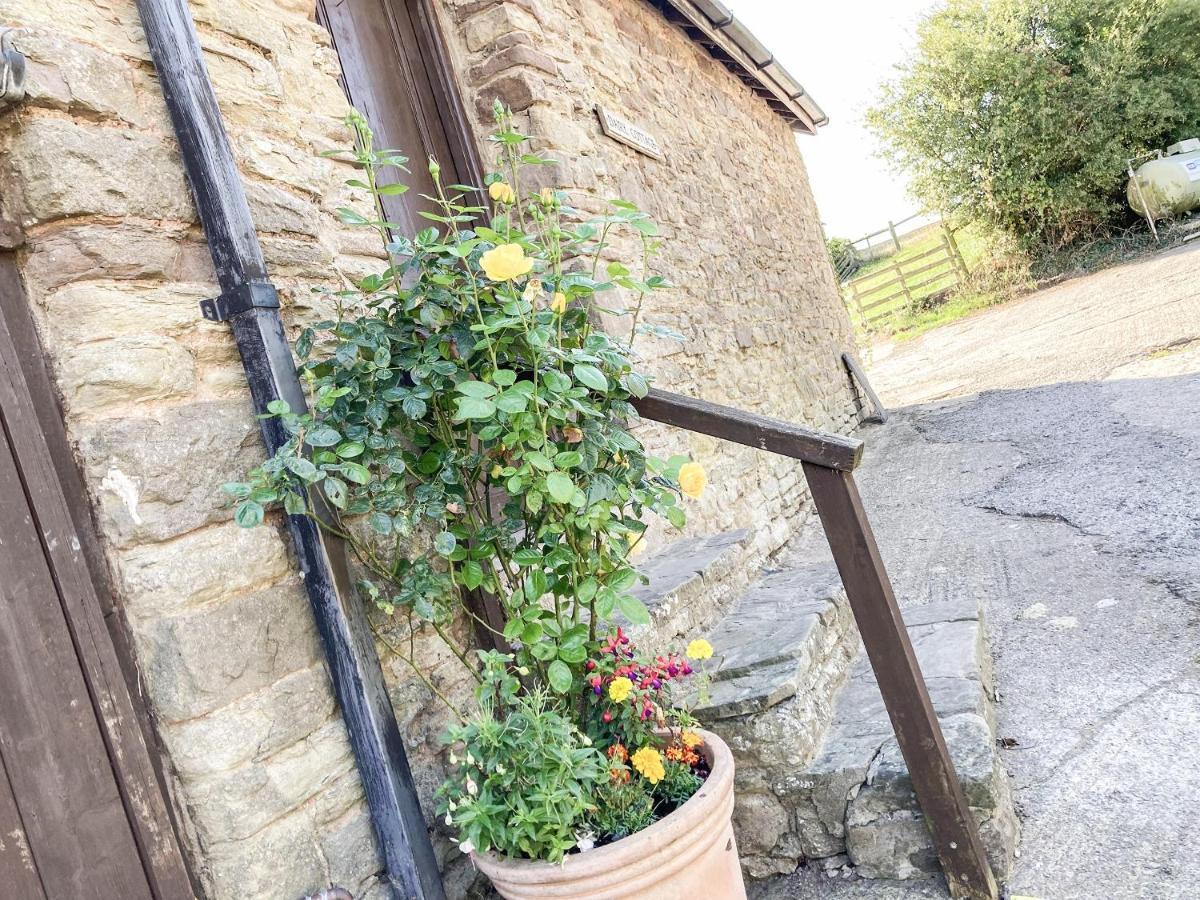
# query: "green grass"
[[871, 279]]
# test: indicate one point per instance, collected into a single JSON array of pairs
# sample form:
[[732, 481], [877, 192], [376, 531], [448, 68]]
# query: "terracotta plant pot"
[[688, 855]]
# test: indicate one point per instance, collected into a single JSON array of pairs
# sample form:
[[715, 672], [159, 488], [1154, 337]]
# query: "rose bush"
[[468, 432]]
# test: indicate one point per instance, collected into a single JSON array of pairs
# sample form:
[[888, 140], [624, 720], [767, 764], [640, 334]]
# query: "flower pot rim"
[[707, 802]]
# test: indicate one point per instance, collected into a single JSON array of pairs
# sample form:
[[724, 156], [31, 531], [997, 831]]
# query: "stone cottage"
[[173, 712]]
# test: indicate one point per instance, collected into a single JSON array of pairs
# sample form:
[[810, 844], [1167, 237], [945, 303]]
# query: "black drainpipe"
[[249, 303]]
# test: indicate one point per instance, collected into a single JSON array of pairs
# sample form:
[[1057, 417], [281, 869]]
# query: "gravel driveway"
[[1045, 456], [1085, 329]]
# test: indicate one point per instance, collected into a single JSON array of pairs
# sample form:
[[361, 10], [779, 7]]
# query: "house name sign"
[[627, 133]]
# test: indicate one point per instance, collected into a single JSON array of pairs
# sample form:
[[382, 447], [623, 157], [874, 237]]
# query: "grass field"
[[895, 316]]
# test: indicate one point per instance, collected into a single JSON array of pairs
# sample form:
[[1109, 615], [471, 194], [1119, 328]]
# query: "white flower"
[[451, 805], [472, 787], [585, 841], [466, 847], [500, 770], [449, 820], [453, 758], [470, 759]]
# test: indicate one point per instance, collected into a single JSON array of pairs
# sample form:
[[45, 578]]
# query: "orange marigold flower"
[[618, 751]]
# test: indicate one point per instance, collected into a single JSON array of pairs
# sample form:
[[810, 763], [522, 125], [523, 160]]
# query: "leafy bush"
[[1020, 114]]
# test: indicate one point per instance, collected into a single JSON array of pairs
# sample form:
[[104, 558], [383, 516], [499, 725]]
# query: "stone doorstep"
[[691, 581], [855, 797]]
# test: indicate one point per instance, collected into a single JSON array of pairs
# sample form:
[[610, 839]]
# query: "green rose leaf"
[[474, 408], [444, 543], [559, 674], [472, 574], [248, 513], [323, 436], [560, 487], [479, 389], [591, 376], [633, 609], [359, 474]]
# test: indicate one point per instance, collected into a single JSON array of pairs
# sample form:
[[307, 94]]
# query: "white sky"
[[841, 52]]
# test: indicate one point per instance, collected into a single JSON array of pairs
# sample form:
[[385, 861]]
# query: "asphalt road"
[[1046, 457]]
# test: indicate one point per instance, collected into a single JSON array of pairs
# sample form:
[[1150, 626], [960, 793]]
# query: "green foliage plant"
[[1019, 115], [469, 430]]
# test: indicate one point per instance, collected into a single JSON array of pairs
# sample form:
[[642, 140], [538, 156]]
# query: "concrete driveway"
[[1045, 456]]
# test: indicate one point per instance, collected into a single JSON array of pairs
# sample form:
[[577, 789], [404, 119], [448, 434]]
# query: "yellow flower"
[[699, 649], [559, 304], [506, 262], [502, 192], [691, 740], [620, 689], [547, 195], [692, 479], [649, 764]]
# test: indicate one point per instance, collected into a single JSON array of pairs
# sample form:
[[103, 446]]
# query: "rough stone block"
[[202, 659], [252, 727], [690, 582], [67, 168], [160, 476], [283, 860], [80, 313], [94, 250], [481, 30], [131, 369], [201, 567], [236, 803], [78, 77]]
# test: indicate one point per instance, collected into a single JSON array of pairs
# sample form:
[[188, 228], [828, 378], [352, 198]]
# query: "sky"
[[841, 53]]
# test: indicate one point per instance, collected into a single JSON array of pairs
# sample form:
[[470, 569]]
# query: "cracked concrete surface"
[[1073, 510]]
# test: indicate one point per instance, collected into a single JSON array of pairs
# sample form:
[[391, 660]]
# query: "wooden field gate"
[[904, 282]]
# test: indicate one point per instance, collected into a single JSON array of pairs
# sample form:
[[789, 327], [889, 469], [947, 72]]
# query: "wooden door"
[[395, 71], [82, 813]]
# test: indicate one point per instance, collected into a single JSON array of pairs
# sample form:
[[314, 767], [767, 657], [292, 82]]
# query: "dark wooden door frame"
[[32, 422], [413, 68]]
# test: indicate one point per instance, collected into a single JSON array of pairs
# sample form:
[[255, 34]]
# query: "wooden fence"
[[901, 284]]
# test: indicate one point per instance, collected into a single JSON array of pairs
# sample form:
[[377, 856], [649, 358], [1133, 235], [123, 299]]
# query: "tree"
[[1020, 114]]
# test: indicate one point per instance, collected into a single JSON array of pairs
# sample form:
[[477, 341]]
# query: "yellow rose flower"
[[559, 304], [547, 195], [699, 649], [649, 764], [620, 689], [502, 192], [691, 740], [506, 262], [692, 479]]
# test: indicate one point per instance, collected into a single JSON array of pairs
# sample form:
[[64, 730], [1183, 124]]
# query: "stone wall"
[[156, 403], [756, 299]]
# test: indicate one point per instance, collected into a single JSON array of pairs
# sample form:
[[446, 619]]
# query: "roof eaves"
[[711, 24]]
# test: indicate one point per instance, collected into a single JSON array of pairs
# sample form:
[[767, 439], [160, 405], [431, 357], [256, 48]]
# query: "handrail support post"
[[939, 792]]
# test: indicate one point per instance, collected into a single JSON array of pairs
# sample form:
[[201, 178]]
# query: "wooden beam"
[[953, 826], [270, 369], [750, 429], [39, 440]]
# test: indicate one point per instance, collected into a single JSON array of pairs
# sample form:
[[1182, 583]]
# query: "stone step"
[[691, 583], [853, 795]]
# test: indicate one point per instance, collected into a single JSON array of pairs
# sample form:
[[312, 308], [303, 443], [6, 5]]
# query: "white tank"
[[1169, 185]]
